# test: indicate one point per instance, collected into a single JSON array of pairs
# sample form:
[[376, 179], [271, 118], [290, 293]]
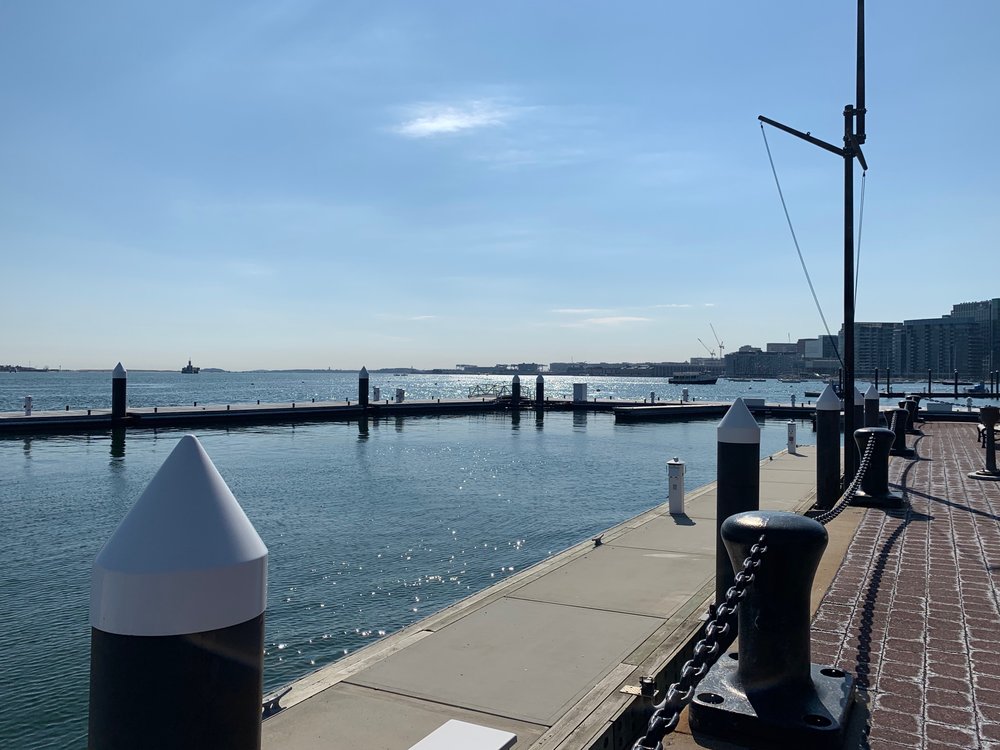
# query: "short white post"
[[400, 395], [684, 395], [791, 437], [27, 405], [675, 482], [652, 397], [177, 604], [376, 393]]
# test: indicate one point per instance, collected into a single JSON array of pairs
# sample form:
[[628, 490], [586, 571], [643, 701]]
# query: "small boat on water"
[[190, 369], [693, 378]]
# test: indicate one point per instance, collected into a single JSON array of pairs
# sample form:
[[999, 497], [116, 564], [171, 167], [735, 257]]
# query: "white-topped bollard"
[[791, 438], [515, 392], [827, 448], [28, 402], [871, 406], [579, 393], [737, 488], [539, 390], [652, 397], [363, 388], [119, 378], [675, 486], [177, 617]]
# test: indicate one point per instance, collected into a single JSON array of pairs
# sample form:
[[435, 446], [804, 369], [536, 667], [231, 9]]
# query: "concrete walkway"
[[553, 654]]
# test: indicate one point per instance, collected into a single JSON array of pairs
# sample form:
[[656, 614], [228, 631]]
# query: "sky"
[[304, 183]]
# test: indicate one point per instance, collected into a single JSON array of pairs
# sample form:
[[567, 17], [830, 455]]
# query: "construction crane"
[[711, 352], [721, 347]]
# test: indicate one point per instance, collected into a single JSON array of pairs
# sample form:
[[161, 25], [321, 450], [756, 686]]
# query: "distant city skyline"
[[301, 184]]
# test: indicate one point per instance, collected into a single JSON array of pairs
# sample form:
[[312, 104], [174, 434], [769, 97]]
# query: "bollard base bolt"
[[813, 716]]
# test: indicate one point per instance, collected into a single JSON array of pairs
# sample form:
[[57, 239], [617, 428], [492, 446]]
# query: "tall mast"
[[854, 136]]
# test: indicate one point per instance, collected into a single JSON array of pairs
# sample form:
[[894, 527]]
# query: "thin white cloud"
[[610, 320], [392, 316], [580, 310], [439, 119], [658, 307]]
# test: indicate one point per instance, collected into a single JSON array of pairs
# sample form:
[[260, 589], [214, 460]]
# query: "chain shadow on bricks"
[[861, 723]]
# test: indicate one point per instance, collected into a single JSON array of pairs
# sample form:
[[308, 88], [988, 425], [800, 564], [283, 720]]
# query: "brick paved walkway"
[[913, 611]]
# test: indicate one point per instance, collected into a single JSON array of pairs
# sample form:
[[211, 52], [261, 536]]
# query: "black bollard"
[[119, 380], [911, 415], [859, 409], [539, 391], [177, 617], [769, 694], [896, 419], [738, 480], [363, 388], [988, 415], [930, 390], [515, 392], [871, 406], [888, 382], [876, 379], [827, 448], [874, 492]]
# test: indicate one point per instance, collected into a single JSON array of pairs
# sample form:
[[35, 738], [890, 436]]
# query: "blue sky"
[[309, 184]]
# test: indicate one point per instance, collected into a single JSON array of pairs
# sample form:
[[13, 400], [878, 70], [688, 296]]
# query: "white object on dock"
[[675, 482], [461, 735], [791, 437]]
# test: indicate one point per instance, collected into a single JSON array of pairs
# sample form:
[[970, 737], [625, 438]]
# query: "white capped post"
[[792, 445], [119, 379], [363, 388], [177, 604], [675, 483], [539, 390]]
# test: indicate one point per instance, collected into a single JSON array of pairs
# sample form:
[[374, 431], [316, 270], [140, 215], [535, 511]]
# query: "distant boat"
[[977, 388], [190, 369], [789, 379], [738, 380], [693, 378], [811, 394]]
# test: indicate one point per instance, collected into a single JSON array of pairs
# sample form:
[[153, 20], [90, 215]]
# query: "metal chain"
[[852, 489], [667, 713]]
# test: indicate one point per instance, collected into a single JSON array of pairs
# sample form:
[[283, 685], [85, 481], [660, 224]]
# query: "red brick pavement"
[[913, 611]]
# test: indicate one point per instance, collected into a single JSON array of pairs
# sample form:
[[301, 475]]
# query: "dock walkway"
[[553, 654]]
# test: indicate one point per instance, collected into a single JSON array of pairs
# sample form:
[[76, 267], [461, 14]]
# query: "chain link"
[[667, 713], [852, 489]]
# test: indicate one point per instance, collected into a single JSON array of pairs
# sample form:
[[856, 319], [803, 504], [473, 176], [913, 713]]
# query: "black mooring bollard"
[[898, 416], [539, 391], [827, 448], [363, 388], [874, 492], [769, 693], [119, 380], [871, 407], [738, 481], [911, 415], [989, 415], [177, 617], [515, 392]]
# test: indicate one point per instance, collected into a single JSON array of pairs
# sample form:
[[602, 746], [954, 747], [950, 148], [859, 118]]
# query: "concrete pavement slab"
[[522, 659]]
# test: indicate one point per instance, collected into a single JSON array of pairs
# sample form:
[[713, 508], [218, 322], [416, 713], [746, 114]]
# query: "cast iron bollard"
[[988, 415], [675, 486], [916, 399], [911, 415], [827, 448], [898, 416], [871, 406], [874, 492], [363, 388], [539, 391], [118, 386], [177, 617], [738, 481], [769, 693]]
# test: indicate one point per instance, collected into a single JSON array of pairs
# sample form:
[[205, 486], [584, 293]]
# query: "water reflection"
[[539, 418], [363, 428], [117, 444], [579, 421], [399, 423], [515, 419], [27, 447]]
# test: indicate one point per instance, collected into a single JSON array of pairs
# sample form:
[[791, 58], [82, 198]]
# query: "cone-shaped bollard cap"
[[858, 398], [363, 375], [828, 400], [738, 426], [872, 393], [539, 379], [119, 372], [185, 559], [517, 379]]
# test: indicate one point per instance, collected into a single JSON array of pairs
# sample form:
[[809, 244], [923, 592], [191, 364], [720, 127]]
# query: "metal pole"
[[849, 152]]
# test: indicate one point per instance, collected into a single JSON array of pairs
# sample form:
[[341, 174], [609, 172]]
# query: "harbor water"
[[368, 530]]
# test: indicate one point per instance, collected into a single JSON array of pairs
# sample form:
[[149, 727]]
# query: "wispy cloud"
[[391, 316], [580, 310], [660, 307], [430, 119], [610, 320]]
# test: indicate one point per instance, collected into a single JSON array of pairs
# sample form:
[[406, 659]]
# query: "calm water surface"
[[366, 532]]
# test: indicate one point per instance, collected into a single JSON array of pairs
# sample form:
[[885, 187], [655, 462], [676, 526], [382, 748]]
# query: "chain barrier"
[[852, 489], [667, 713]]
